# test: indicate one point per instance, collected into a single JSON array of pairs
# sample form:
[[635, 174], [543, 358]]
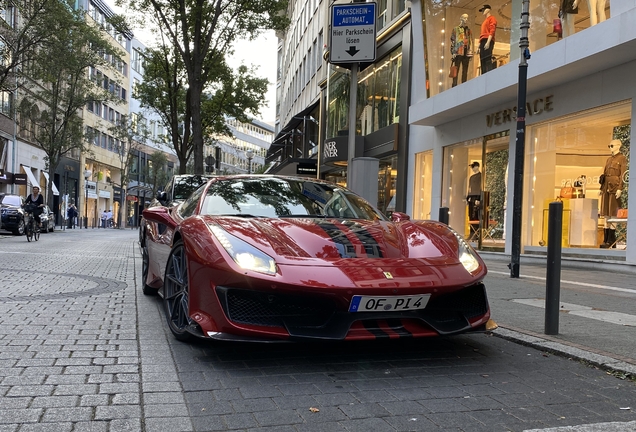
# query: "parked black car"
[[47, 220], [12, 213]]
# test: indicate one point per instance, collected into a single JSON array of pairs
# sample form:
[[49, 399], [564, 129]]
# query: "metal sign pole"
[[353, 100], [517, 201]]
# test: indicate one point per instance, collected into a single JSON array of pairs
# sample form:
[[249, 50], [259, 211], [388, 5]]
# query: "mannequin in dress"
[[462, 47], [487, 39], [611, 189], [597, 11]]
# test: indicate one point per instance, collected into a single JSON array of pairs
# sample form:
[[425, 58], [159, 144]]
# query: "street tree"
[[202, 33], [163, 91], [130, 135], [26, 25], [156, 172], [60, 86]]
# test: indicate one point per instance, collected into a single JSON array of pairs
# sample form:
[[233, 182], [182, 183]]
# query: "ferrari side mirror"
[[399, 217]]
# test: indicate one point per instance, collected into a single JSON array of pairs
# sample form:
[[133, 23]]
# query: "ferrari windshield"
[[284, 197], [185, 185]]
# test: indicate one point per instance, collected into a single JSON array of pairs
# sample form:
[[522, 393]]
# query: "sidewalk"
[[597, 322]]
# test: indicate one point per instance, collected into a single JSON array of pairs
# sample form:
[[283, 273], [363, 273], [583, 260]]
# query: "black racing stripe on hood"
[[343, 244], [371, 246], [397, 327]]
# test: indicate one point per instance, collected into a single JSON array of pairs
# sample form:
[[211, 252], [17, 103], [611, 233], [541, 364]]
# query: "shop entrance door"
[[495, 157]]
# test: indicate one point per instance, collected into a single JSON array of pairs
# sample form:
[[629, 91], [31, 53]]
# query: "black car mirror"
[[162, 196]]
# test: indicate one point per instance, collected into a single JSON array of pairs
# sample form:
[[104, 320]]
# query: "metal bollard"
[[443, 215], [553, 274]]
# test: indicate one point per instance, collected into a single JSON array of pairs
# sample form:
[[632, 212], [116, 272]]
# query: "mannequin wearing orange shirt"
[[487, 39]]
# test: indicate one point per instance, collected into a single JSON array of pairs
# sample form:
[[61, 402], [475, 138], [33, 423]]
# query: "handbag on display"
[[453, 72], [567, 191], [557, 26], [621, 213]]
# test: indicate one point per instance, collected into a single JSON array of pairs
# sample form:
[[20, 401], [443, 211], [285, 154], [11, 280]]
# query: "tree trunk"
[[197, 131]]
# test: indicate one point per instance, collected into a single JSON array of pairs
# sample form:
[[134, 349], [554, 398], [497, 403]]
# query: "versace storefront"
[[577, 150]]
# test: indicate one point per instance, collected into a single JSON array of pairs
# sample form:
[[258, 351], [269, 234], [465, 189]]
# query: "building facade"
[[579, 112], [243, 151], [313, 101], [438, 106]]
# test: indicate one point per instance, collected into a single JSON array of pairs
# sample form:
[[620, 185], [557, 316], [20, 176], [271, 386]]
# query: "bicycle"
[[31, 228]]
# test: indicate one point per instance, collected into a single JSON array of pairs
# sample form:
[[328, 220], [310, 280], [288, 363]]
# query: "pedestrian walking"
[[103, 218], [71, 214]]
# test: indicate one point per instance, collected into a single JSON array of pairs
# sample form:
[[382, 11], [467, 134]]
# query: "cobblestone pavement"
[[82, 349]]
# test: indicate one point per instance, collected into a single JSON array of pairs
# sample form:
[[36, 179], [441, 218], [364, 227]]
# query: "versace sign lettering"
[[331, 151], [535, 107]]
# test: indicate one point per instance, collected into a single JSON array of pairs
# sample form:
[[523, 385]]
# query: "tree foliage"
[[22, 36], [156, 172], [130, 135], [201, 34], [60, 87]]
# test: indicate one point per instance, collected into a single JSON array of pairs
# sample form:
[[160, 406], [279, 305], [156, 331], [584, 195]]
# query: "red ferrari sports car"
[[271, 258]]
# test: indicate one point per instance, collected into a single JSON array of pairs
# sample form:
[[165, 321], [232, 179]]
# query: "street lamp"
[[87, 174], [250, 154]]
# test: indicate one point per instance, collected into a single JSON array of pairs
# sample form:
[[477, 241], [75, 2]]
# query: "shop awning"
[[30, 176], [46, 176]]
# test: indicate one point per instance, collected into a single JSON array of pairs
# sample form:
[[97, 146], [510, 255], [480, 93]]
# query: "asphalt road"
[[82, 349]]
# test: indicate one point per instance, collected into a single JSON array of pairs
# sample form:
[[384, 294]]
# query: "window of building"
[[423, 185], [6, 103], [574, 151], [136, 61], [378, 98], [447, 33]]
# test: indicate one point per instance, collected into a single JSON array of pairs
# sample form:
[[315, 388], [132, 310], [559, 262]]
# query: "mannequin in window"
[[569, 8], [462, 47], [474, 192], [597, 11], [383, 112], [487, 39], [611, 189]]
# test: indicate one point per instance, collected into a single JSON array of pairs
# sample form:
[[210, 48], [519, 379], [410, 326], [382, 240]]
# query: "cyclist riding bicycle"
[[36, 199]]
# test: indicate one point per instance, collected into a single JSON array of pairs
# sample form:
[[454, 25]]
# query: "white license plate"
[[390, 303]]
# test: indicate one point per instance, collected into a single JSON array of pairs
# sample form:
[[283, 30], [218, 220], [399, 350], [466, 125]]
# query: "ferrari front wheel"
[[176, 293]]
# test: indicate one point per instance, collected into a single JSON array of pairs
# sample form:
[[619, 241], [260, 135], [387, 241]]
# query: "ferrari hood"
[[293, 240]]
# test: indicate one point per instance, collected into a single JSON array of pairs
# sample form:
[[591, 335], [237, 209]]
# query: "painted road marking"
[[605, 287], [585, 312]]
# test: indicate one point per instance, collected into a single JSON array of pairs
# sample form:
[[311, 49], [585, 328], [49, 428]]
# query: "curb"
[[602, 361]]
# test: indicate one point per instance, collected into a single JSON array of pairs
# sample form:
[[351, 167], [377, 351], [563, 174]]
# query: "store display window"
[[423, 185], [456, 32], [583, 161], [387, 177], [378, 97], [474, 188]]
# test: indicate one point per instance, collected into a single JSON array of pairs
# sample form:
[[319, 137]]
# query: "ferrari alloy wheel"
[[145, 265], [175, 293]]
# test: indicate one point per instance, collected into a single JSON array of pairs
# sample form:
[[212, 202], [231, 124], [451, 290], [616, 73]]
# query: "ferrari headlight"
[[244, 254], [465, 253]]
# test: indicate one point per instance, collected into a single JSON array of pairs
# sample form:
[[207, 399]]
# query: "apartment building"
[[139, 189], [244, 150], [313, 100]]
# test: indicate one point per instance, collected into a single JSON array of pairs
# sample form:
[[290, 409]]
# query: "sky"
[[260, 53]]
